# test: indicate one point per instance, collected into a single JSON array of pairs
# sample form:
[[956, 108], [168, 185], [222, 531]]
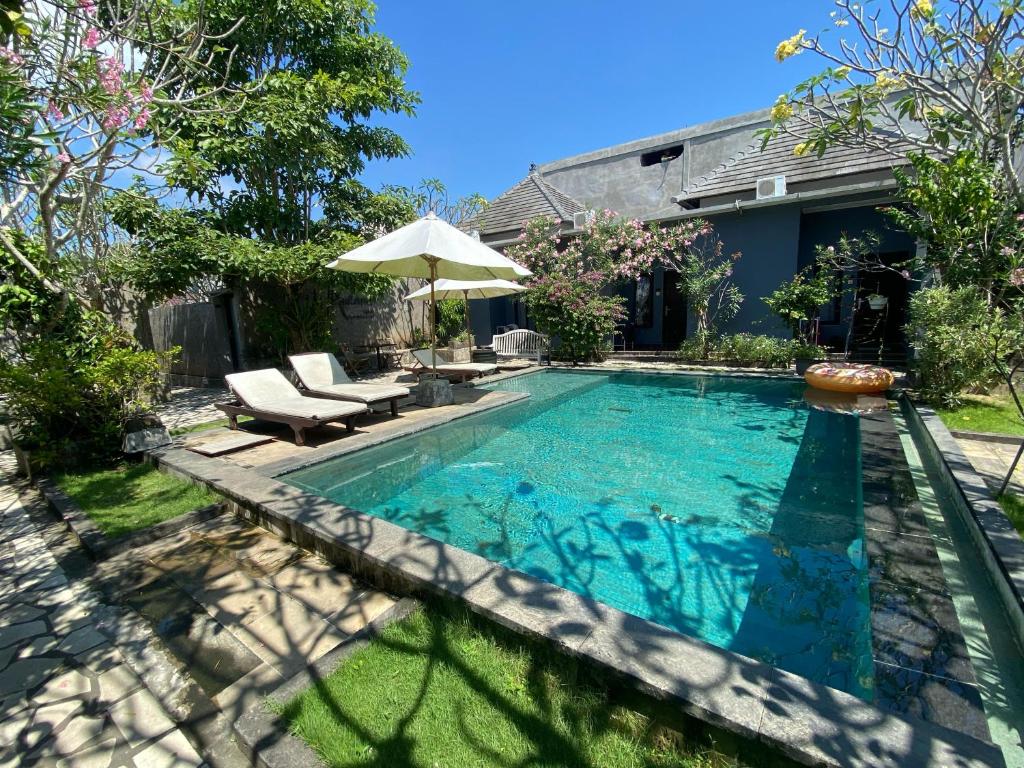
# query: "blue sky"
[[508, 83]]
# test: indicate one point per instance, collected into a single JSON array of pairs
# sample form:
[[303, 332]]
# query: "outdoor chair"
[[323, 376], [355, 362], [461, 371], [266, 394]]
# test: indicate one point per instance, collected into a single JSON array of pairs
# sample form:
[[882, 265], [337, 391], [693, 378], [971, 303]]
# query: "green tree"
[[273, 173], [798, 301], [912, 76]]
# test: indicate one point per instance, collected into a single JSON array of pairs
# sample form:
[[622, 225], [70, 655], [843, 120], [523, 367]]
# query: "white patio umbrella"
[[430, 248], [467, 289]]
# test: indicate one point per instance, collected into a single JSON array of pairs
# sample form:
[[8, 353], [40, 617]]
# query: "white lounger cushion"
[[321, 372], [268, 390], [423, 357]]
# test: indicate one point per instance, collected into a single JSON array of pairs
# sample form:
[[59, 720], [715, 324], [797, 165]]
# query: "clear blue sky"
[[508, 83]]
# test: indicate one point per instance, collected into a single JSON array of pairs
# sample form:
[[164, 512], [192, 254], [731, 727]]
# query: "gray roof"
[[741, 171], [528, 199]]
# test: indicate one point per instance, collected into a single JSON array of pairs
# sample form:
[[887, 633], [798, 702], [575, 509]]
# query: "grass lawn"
[[442, 688], [984, 413], [130, 497], [1013, 506], [206, 425]]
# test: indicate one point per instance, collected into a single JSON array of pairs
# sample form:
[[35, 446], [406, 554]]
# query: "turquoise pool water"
[[720, 507]]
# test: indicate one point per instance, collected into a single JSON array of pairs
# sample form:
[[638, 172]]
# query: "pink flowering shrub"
[[571, 295], [568, 297]]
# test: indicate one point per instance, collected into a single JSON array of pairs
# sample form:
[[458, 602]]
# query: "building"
[[771, 205]]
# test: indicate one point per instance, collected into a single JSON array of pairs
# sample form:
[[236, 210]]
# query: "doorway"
[[673, 312]]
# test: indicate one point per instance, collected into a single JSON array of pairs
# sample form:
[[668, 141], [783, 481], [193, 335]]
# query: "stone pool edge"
[[808, 722], [1001, 546]]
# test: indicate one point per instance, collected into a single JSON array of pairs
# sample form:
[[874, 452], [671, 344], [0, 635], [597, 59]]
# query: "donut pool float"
[[844, 402], [849, 377]]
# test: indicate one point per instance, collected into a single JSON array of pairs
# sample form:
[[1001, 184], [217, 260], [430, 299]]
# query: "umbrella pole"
[[433, 317], [469, 324]]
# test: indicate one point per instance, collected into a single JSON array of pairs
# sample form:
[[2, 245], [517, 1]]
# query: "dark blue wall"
[[775, 242], [768, 239]]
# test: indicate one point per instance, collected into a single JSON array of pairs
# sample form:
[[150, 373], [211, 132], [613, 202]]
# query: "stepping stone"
[[234, 442]]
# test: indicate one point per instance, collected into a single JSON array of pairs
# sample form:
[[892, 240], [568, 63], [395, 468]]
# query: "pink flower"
[[115, 116], [11, 57], [1017, 277], [88, 6], [142, 119], [92, 38], [1006, 251], [53, 111], [63, 157], [110, 74], [145, 92], [906, 274]]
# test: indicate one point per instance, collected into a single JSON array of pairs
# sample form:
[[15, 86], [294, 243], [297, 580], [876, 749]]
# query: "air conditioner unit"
[[771, 186], [581, 219]]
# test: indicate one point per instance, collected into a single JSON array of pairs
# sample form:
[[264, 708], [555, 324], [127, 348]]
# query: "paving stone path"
[[67, 696]]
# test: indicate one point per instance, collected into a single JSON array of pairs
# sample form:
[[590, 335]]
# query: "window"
[[662, 155], [644, 315]]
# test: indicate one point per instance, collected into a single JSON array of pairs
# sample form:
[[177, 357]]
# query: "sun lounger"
[[323, 376], [268, 395], [459, 370]]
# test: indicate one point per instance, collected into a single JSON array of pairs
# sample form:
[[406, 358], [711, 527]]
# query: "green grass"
[[1013, 506], [206, 425], [985, 413], [443, 688], [130, 497]]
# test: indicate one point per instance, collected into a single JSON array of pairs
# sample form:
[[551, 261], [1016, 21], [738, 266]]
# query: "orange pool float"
[[849, 377]]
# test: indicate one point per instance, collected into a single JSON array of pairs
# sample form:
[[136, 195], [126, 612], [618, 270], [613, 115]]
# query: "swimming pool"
[[719, 507]]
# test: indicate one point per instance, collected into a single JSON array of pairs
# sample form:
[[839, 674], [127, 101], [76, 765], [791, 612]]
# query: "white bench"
[[520, 343]]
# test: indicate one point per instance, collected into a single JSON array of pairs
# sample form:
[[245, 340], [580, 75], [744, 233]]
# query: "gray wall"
[[200, 331]]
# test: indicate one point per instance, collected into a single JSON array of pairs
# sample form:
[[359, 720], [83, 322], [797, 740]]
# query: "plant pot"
[[24, 462], [803, 363], [877, 302]]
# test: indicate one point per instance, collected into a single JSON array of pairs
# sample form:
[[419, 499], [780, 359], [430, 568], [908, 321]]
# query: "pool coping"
[[806, 721], [395, 431], [1001, 546], [262, 734]]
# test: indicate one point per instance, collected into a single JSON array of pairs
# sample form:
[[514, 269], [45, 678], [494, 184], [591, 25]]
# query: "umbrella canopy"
[[467, 289], [430, 248]]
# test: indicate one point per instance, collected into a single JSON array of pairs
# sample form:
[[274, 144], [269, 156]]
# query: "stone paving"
[[67, 696], [243, 609], [992, 461]]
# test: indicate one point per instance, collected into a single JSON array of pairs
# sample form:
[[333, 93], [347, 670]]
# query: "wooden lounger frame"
[[462, 374], [328, 396], [298, 423]]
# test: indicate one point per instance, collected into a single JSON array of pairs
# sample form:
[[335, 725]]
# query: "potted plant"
[[877, 301], [805, 355]]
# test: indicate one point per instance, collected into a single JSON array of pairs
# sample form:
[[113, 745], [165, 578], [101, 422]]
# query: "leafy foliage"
[[957, 333], [799, 300], [73, 377], [747, 349], [967, 217], [451, 319]]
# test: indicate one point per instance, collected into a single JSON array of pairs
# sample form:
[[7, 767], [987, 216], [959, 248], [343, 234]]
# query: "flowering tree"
[[89, 94], [912, 75], [570, 291]]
